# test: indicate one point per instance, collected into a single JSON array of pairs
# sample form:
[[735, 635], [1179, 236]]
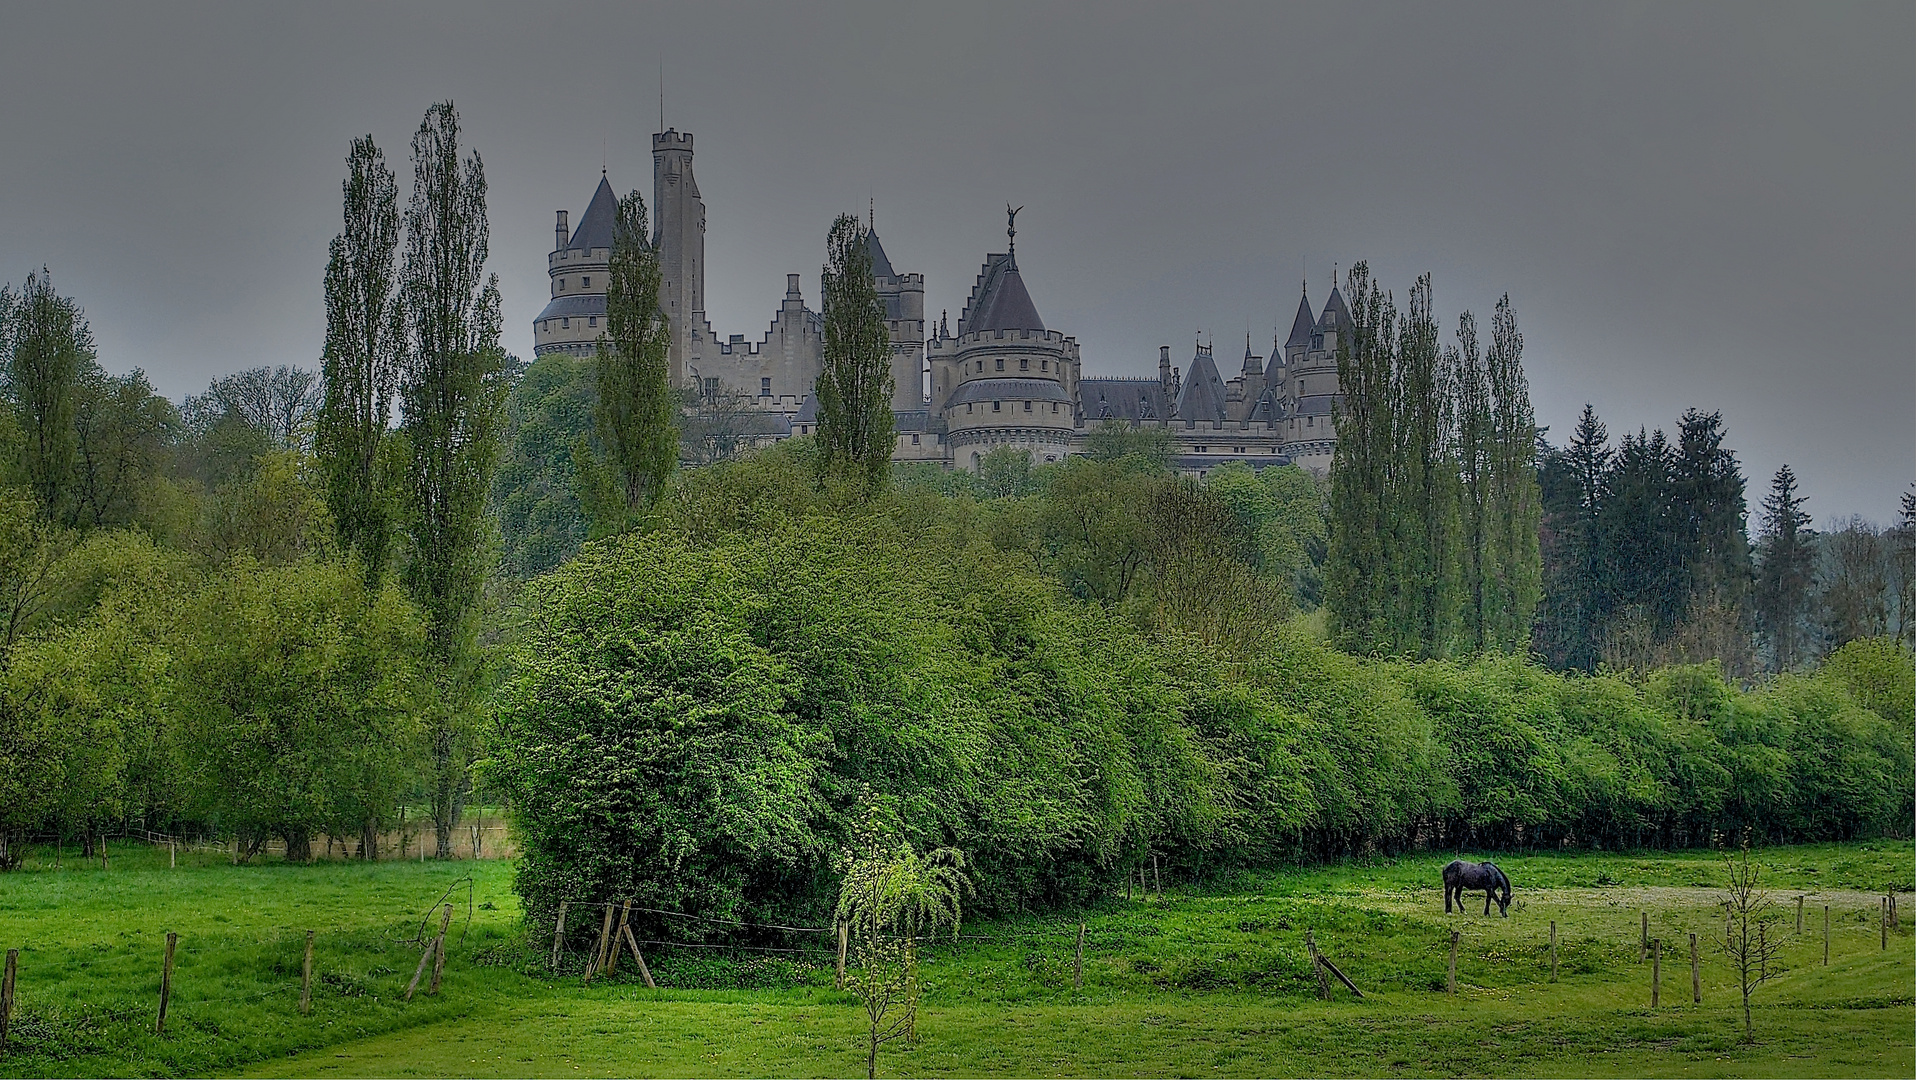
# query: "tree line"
[[303, 601]]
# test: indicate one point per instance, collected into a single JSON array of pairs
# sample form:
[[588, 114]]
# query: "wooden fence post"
[[1696, 975], [844, 937], [644, 972], [612, 961], [1553, 950], [1317, 969], [306, 978], [1826, 935], [439, 952], [1643, 943], [558, 937], [172, 854], [1157, 879], [598, 955], [6, 996], [1882, 922], [166, 982], [1799, 914], [1656, 972], [1452, 982], [1077, 977]]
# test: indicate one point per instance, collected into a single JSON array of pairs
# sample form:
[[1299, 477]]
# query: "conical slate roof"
[[881, 266], [1336, 316], [1302, 325], [999, 300], [595, 225], [1203, 395]]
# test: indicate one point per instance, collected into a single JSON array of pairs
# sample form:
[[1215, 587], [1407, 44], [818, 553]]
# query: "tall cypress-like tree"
[[48, 350], [636, 413], [1515, 503], [1358, 581], [1423, 498], [855, 386], [1784, 574], [451, 396], [361, 360], [1475, 437]]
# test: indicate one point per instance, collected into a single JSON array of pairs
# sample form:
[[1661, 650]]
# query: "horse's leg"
[[1446, 897], [1487, 901]]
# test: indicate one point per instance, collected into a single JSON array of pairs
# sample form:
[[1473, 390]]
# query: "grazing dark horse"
[[1460, 876]]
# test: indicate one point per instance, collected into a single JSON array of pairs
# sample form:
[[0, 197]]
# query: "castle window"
[[1001, 363], [561, 284], [585, 282], [914, 440], [1054, 406], [765, 388], [1044, 365], [566, 323], [1027, 406], [711, 387], [996, 406], [592, 321], [967, 406], [1024, 365]]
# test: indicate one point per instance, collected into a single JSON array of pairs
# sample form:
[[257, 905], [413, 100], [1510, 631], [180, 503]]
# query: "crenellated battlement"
[[670, 139]]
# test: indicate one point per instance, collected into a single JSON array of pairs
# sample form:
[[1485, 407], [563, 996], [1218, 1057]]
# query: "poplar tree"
[[48, 348], [636, 412], [1783, 575], [1357, 578], [855, 437], [452, 393], [361, 359], [1515, 503], [1423, 498], [1471, 405]]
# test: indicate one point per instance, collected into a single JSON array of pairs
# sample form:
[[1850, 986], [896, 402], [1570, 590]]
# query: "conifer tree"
[[451, 397], [361, 359], [636, 412], [1783, 576], [1577, 601], [855, 386]]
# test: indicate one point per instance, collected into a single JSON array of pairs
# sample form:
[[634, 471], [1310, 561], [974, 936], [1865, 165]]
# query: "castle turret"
[[579, 266]]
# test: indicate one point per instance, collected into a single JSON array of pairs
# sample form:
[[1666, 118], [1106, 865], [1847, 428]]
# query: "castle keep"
[[1003, 379]]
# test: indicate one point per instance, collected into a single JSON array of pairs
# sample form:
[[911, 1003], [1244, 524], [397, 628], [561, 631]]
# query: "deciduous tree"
[[855, 386]]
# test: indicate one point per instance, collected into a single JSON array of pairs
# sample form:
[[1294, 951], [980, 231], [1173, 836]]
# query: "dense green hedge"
[[694, 716]]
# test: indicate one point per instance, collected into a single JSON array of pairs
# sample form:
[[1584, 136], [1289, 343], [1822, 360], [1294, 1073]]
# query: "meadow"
[[1208, 979]]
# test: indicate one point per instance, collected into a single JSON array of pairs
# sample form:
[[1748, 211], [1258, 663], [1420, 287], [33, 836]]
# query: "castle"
[[1001, 380]]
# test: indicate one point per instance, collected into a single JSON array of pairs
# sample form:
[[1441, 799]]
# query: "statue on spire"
[[1011, 226]]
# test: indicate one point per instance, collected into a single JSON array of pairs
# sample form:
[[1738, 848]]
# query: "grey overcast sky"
[[1707, 205]]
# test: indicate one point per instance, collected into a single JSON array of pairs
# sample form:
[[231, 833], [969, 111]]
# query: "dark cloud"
[[1690, 204]]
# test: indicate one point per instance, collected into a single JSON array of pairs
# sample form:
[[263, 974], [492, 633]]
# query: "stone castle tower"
[[678, 216]]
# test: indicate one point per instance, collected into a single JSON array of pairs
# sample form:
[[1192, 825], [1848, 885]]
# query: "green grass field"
[[1198, 982]]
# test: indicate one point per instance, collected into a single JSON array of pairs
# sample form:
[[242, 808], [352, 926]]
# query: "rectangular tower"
[[679, 215]]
